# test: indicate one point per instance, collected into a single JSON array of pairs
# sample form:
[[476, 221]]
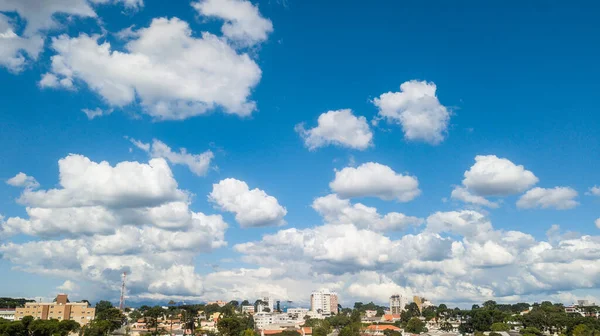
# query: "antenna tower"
[[122, 301]]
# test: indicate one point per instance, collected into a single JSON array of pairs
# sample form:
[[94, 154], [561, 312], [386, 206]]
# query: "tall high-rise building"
[[324, 302], [398, 303]]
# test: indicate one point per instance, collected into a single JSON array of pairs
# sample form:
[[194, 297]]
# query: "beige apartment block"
[[59, 310]]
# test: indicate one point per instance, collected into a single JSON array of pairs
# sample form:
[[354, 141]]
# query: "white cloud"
[[243, 22], [24, 181], [91, 114], [339, 128], [41, 15], [598, 223], [135, 4], [67, 286], [467, 223], [109, 219], [197, 163], [87, 183], [16, 50], [560, 198], [594, 191], [493, 176], [252, 208], [338, 211], [374, 179], [173, 74], [417, 108], [463, 194]]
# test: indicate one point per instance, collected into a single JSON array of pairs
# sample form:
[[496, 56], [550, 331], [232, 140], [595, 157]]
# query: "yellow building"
[[59, 310]]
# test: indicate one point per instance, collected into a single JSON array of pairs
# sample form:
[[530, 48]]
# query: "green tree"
[[442, 307], [230, 326], [66, 327], [152, 315], [249, 332], [102, 306], [26, 321], [135, 315], [500, 326], [352, 329], [112, 315], [415, 326], [96, 328]]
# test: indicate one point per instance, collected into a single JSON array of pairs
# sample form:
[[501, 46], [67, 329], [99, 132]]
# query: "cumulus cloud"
[[252, 208], [16, 50], [39, 17], [339, 211], [494, 176], [87, 183], [68, 286], [417, 108], [374, 179], [197, 163], [243, 22], [106, 219], [594, 191], [560, 198], [24, 181], [340, 128], [598, 223], [172, 73], [463, 194]]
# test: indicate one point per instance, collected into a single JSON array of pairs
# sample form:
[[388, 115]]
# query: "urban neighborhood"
[[326, 316]]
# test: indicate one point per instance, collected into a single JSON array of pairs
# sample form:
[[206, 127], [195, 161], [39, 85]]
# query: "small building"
[[379, 329], [390, 318], [7, 313], [248, 309], [60, 309], [218, 303]]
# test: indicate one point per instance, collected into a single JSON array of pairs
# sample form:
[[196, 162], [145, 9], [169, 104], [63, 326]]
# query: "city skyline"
[[220, 149]]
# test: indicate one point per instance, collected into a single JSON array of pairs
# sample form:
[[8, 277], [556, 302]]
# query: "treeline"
[[30, 327], [13, 303]]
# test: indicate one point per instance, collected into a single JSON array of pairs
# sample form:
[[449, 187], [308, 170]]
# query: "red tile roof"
[[374, 327]]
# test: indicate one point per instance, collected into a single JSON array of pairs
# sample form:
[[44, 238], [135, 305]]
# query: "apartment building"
[[397, 303], [61, 309], [324, 302]]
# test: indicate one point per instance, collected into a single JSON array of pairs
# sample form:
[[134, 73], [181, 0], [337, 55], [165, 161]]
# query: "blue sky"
[[512, 83]]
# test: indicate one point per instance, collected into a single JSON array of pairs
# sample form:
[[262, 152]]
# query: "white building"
[[248, 309], [298, 313], [324, 302], [7, 313], [261, 320], [397, 303], [267, 303]]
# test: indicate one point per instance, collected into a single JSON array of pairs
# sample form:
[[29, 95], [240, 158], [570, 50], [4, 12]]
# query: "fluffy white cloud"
[[463, 194], [374, 179], [594, 191], [494, 176], [68, 286], [338, 211], [173, 74], [87, 183], [197, 163], [108, 219], [243, 22], [40, 15], [598, 223], [24, 181], [417, 108], [339, 128], [252, 208], [466, 223], [560, 198], [15, 50]]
